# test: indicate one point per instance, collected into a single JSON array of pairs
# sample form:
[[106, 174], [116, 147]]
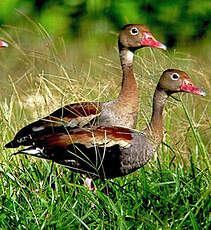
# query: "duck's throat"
[[126, 57], [129, 90], [156, 123]]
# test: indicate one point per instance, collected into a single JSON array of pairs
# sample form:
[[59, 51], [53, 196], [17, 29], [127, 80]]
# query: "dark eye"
[[175, 76], [134, 31]]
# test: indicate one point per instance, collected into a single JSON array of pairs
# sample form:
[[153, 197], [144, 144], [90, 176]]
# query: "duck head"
[[135, 36], [173, 81]]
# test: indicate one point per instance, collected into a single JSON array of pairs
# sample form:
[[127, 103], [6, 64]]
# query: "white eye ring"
[[175, 76], [134, 31]]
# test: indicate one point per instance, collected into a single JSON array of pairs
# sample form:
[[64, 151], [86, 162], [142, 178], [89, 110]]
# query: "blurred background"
[[179, 23]]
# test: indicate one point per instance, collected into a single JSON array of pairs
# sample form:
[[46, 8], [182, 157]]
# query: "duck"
[[3, 44], [104, 152], [119, 112]]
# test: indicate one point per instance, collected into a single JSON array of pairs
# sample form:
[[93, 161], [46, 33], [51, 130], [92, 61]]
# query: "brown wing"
[[95, 151], [74, 115], [70, 116], [105, 152], [89, 137]]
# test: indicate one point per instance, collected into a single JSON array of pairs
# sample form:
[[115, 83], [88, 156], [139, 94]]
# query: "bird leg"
[[88, 183]]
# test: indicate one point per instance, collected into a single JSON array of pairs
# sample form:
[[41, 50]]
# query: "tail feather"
[[12, 144], [17, 141]]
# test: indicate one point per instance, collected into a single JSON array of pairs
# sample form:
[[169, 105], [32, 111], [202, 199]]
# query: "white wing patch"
[[32, 151], [81, 121], [36, 129], [108, 143]]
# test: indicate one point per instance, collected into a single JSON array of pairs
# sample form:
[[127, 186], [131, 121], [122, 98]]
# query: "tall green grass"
[[171, 192]]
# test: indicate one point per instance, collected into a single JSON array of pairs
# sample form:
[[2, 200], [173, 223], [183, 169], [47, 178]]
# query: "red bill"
[[3, 44], [149, 40], [189, 87]]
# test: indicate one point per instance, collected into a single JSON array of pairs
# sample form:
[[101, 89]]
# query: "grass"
[[171, 192]]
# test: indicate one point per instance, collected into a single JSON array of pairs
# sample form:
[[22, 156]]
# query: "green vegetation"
[[40, 74], [179, 22]]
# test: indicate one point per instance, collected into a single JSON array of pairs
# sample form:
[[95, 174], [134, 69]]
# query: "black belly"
[[103, 162]]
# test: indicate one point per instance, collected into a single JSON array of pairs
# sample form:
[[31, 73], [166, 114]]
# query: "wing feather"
[[90, 137], [70, 116]]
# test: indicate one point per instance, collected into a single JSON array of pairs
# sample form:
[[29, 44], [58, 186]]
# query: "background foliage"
[[177, 21]]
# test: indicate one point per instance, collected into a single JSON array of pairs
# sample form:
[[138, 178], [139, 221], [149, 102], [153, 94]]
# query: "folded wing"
[[67, 117]]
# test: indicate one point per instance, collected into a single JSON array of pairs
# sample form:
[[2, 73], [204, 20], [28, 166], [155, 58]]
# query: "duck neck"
[[129, 90], [156, 124]]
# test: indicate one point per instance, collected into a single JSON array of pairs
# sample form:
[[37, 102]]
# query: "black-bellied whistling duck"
[[3, 44], [108, 152], [119, 112]]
